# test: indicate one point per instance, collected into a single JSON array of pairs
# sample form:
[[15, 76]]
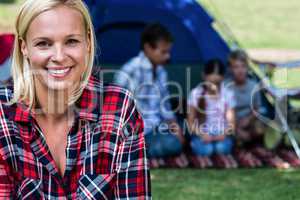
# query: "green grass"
[[242, 184], [261, 24], [8, 12], [256, 23]]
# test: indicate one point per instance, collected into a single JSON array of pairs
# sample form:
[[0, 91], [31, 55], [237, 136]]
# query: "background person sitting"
[[211, 119], [250, 131], [146, 77]]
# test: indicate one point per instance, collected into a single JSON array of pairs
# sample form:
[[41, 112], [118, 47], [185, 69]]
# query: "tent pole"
[[223, 25], [286, 128]]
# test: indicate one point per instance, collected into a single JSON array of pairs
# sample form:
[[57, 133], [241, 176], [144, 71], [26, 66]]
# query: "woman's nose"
[[58, 54]]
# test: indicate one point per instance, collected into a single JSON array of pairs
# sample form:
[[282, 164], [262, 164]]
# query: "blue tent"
[[118, 24]]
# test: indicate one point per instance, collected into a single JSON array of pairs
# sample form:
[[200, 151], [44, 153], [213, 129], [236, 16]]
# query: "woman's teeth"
[[58, 72]]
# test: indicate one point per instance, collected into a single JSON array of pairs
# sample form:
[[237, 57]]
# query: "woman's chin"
[[59, 85]]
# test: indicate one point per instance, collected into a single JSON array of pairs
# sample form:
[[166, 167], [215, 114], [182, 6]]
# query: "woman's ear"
[[24, 48], [89, 41]]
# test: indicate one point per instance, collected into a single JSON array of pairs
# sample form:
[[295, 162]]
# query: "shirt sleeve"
[[6, 185], [193, 97], [134, 175], [230, 100]]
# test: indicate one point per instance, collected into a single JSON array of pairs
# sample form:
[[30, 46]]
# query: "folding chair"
[[282, 89]]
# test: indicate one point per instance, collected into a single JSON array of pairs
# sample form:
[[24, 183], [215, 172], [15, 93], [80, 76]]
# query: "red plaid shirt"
[[105, 152]]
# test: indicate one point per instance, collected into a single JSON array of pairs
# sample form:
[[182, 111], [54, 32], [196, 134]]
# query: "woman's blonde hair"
[[24, 89]]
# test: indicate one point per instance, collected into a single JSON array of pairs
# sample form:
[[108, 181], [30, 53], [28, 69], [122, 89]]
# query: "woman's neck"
[[51, 104]]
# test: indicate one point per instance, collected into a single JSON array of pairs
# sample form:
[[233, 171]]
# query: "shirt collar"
[[22, 113], [88, 107], [145, 62]]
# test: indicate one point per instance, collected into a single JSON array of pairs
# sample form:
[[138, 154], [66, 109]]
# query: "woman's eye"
[[42, 44], [72, 42]]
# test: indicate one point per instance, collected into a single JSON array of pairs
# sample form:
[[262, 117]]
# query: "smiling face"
[[57, 47]]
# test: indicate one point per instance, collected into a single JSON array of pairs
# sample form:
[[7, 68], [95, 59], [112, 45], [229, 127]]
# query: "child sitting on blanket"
[[211, 119], [251, 150]]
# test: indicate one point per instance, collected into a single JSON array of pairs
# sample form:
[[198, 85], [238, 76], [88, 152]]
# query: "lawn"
[[241, 184], [256, 23], [261, 24], [8, 12]]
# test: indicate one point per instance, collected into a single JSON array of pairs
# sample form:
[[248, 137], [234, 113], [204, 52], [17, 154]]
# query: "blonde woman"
[[63, 134]]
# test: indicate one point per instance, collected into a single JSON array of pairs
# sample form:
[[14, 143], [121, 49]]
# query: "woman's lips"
[[59, 72]]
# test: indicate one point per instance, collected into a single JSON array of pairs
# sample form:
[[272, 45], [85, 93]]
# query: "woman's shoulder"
[[7, 126], [118, 107], [117, 99], [110, 91], [6, 109], [113, 99], [103, 88]]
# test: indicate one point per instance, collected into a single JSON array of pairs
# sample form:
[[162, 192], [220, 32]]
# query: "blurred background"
[[265, 28], [268, 30]]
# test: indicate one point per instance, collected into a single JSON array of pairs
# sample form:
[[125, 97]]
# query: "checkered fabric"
[[105, 152]]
